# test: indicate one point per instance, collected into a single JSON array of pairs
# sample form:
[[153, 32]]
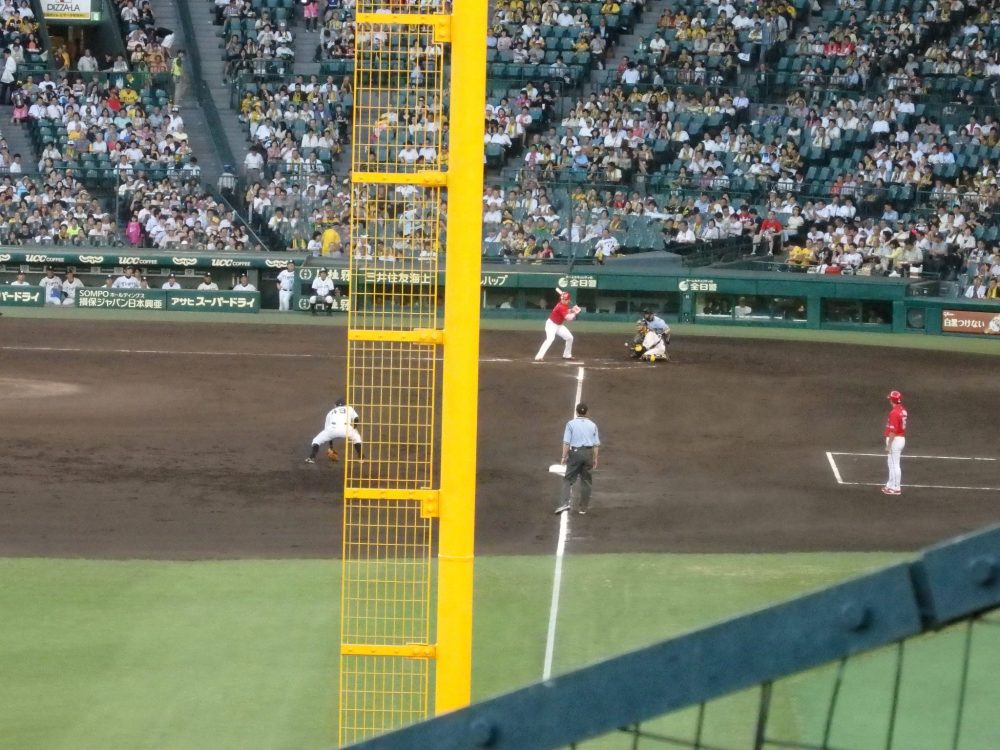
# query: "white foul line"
[[937, 458], [550, 637], [833, 465], [927, 486]]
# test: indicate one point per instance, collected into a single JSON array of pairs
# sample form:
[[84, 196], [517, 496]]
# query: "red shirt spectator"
[[771, 223]]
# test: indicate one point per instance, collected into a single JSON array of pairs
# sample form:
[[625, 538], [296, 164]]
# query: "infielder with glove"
[[341, 422], [555, 325]]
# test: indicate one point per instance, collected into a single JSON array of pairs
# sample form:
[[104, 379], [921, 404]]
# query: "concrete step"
[[199, 134], [18, 141]]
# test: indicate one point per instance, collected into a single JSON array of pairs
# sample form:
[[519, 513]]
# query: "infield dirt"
[[153, 440]]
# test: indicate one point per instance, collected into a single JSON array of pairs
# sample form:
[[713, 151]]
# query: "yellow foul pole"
[[460, 374]]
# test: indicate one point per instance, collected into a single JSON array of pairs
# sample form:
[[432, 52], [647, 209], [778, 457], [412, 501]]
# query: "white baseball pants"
[[895, 453], [551, 331], [284, 300], [338, 433]]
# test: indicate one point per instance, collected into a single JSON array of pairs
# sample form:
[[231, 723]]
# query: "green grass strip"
[[219, 655]]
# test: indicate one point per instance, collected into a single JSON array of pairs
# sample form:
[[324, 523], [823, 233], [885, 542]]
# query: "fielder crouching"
[[323, 292], [649, 345]]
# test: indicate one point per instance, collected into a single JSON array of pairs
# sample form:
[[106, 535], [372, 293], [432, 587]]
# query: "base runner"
[[895, 441]]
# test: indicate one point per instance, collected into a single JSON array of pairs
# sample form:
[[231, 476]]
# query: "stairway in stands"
[[209, 41], [18, 141]]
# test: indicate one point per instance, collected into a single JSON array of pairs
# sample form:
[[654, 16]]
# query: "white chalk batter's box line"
[[836, 470]]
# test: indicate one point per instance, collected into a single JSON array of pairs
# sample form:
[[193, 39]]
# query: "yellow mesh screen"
[[379, 693], [397, 215], [393, 384], [386, 573], [398, 99], [395, 239]]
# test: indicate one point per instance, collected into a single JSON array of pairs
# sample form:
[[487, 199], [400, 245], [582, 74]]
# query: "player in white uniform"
[[171, 283], [70, 286], [322, 288], [127, 281], [286, 284], [341, 422], [20, 281], [653, 345], [51, 287], [244, 285]]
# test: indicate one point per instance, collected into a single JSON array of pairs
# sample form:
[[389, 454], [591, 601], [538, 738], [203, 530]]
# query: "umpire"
[[581, 444]]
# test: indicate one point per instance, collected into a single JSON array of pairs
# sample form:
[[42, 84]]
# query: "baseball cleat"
[[538, 359], [310, 460], [888, 491], [561, 509]]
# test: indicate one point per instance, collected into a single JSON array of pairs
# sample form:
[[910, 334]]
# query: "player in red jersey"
[[556, 326], [895, 440]]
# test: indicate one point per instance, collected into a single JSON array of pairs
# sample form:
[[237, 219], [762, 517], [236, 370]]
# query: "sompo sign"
[[73, 10]]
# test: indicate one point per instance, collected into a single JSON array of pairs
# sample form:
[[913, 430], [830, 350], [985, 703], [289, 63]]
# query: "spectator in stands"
[[976, 290], [607, 246]]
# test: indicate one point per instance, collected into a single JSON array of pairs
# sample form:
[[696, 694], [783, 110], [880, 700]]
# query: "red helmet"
[[895, 396], [564, 296]]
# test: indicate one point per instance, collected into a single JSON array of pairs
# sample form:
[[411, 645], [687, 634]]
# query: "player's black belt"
[[582, 448]]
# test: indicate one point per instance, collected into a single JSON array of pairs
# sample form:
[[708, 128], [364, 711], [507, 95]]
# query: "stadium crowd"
[[807, 130]]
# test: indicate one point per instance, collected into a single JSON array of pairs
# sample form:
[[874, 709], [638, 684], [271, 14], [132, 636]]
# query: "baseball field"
[[169, 571]]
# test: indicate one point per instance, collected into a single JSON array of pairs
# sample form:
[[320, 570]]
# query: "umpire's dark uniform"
[[579, 452]]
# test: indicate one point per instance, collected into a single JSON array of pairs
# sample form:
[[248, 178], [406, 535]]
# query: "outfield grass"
[[219, 655]]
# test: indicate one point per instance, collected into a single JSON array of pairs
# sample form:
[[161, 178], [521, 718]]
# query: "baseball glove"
[[332, 454]]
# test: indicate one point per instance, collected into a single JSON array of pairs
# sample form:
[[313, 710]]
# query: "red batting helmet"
[[895, 396], [564, 296]]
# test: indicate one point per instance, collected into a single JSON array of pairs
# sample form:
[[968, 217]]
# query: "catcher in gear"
[[649, 344]]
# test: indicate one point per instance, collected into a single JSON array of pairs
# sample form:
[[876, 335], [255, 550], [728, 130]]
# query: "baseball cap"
[[581, 408]]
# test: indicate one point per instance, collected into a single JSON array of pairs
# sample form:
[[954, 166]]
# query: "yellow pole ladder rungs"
[[430, 500], [410, 650], [424, 179], [416, 336], [363, 493], [441, 23]]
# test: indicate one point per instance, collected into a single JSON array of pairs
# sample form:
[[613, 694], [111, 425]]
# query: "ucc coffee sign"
[[970, 321]]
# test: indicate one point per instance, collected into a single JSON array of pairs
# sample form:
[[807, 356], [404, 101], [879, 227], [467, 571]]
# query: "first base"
[[559, 469]]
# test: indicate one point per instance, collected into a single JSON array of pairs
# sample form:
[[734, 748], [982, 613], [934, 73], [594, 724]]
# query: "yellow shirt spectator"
[[331, 237], [799, 256]]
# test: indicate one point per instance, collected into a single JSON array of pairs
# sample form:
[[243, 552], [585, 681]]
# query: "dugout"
[[93, 265]]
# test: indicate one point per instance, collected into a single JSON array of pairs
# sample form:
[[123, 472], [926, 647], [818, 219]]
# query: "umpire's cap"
[[581, 409]]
